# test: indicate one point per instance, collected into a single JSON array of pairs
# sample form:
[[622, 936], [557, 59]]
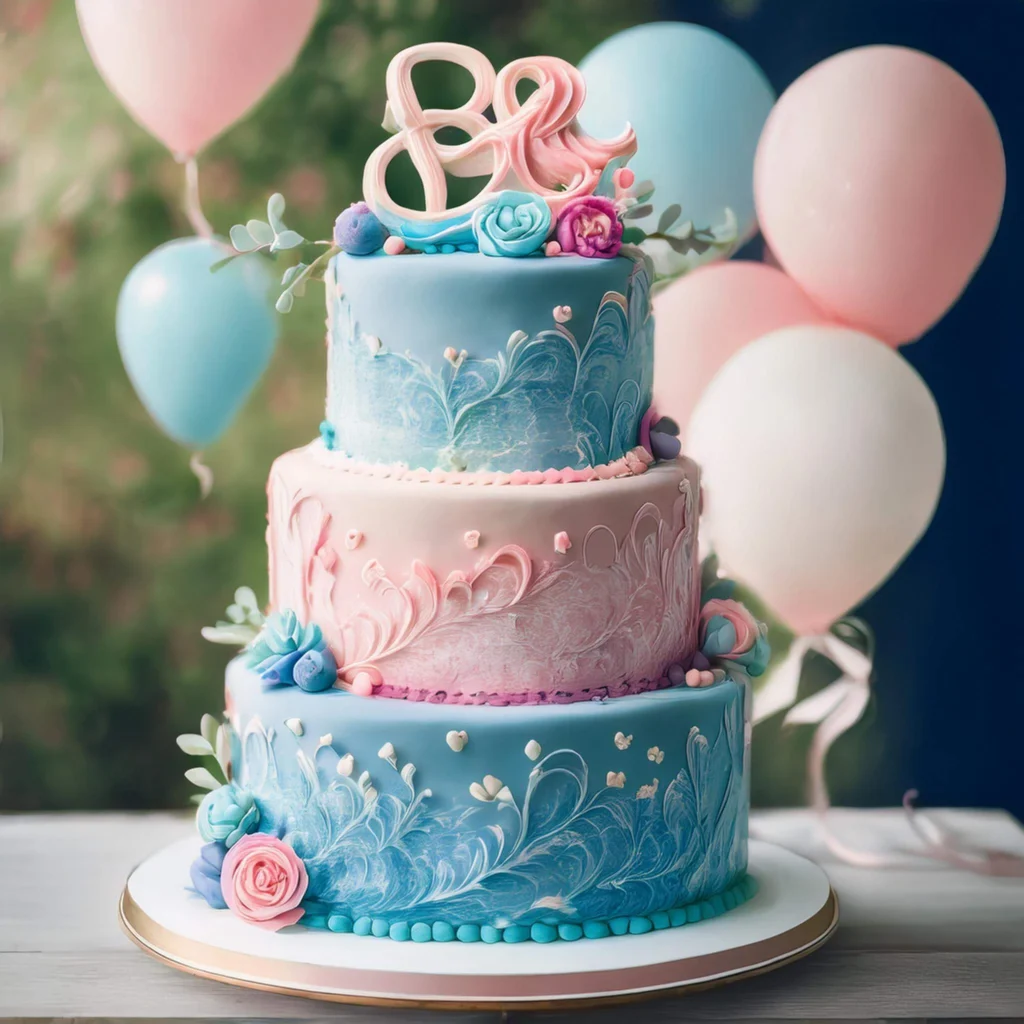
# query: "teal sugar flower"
[[226, 814], [286, 652], [512, 224]]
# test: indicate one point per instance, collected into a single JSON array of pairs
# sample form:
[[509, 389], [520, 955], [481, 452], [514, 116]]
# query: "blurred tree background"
[[109, 561]]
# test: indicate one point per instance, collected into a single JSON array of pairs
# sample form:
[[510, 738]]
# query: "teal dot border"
[[320, 915]]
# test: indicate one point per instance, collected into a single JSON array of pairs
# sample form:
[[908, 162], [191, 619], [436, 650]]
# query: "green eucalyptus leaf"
[[208, 727], [633, 235], [260, 231], [680, 245], [291, 273], [194, 745], [223, 749], [196, 798], [275, 211], [246, 598], [241, 239], [287, 239], [203, 778], [669, 217], [636, 212], [214, 267], [684, 230], [284, 303], [233, 634], [235, 614]]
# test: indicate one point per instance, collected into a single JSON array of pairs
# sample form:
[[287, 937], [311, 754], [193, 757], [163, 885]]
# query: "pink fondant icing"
[[429, 618]]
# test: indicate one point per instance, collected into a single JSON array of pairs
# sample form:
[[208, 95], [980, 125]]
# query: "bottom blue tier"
[[477, 823]]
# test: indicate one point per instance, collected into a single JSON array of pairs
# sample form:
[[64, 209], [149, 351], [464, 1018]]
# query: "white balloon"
[[823, 458]]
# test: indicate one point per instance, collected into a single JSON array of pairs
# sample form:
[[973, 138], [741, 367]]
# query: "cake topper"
[[536, 146]]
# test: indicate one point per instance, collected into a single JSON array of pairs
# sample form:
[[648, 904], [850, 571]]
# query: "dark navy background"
[[949, 686]]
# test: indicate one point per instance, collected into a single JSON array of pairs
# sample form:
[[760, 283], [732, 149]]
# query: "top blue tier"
[[465, 362]]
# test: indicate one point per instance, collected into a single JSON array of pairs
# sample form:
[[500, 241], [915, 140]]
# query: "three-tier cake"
[[489, 702]]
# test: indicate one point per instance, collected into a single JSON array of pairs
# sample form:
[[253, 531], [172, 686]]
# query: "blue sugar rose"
[[283, 645], [227, 814], [358, 232], [205, 874], [512, 224], [315, 671]]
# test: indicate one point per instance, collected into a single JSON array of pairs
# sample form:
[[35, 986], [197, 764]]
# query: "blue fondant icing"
[[677, 917], [596, 929], [640, 925], [490, 934], [570, 932], [541, 932], [468, 933], [339, 923], [400, 931], [411, 844], [421, 932], [693, 913], [660, 919], [527, 394]]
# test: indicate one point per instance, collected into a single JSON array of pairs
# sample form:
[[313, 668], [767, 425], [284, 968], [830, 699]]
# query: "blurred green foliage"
[[109, 561]]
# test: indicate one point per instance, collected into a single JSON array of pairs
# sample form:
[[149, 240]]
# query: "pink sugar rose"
[[738, 617], [590, 226], [263, 881]]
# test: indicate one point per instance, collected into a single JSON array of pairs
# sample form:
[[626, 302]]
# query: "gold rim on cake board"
[[476, 992]]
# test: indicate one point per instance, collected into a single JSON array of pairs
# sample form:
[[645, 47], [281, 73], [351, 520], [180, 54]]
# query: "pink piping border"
[[633, 463], [516, 699]]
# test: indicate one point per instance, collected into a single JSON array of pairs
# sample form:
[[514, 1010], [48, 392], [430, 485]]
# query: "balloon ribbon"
[[203, 474], [836, 709], [193, 210]]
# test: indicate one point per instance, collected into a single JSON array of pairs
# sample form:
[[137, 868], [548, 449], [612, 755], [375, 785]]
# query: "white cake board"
[[793, 913]]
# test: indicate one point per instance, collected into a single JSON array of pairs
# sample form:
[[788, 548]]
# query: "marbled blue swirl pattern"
[[569, 850], [547, 401]]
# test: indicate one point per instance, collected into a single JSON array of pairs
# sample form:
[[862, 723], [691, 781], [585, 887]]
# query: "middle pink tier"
[[489, 590]]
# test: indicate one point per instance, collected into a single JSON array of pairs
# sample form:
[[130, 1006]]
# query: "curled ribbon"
[[535, 146], [834, 710]]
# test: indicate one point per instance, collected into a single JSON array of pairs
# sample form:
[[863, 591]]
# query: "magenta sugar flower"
[[590, 226], [263, 881]]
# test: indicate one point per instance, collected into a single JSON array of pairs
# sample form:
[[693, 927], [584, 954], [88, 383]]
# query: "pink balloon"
[[187, 69], [879, 182], [704, 318]]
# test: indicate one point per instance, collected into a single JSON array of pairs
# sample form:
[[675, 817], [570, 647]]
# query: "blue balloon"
[[194, 343], [697, 103]]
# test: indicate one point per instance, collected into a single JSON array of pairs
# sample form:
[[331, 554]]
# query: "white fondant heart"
[[408, 771], [346, 765], [492, 784], [295, 724], [622, 741], [532, 750], [562, 314], [616, 779], [457, 739], [656, 754], [387, 753], [325, 741]]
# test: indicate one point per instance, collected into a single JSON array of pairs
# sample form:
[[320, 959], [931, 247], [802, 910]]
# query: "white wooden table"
[[919, 941]]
